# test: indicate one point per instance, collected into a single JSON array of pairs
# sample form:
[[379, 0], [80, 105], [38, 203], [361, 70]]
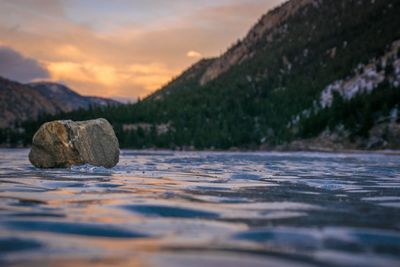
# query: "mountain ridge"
[[68, 99], [20, 102], [299, 46], [242, 49]]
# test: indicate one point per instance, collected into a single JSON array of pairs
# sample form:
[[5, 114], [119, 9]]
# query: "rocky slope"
[[19, 102], [263, 31]]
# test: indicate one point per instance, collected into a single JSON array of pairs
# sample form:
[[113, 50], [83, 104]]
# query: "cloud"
[[17, 67], [69, 51], [123, 48], [193, 54], [111, 80], [84, 72], [32, 7]]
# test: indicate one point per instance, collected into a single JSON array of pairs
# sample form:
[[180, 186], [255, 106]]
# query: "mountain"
[[310, 74], [19, 102], [66, 99]]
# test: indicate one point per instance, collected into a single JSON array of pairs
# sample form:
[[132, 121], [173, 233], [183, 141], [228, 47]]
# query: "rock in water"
[[61, 144]]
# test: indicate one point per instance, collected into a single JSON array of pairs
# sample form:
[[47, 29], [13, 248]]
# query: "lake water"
[[203, 209]]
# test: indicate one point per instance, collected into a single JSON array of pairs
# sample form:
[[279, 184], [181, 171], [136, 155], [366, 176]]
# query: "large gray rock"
[[61, 144]]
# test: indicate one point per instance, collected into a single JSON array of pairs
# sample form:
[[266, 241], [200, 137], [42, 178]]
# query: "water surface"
[[203, 209]]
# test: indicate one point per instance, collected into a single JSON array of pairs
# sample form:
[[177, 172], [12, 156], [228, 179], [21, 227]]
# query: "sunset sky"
[[120, 48]]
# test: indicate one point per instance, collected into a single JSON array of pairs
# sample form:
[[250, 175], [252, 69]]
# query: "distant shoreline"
[[327, 151]]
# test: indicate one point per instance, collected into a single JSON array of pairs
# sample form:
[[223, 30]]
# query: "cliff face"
[[262, 32], [19, 102]]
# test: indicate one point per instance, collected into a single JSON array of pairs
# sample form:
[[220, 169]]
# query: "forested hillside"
[[309, 74]]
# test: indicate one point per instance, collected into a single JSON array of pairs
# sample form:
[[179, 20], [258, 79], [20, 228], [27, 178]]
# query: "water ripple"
[[162, 208]]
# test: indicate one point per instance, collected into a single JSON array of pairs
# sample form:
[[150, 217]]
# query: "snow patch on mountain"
[[366, 78]]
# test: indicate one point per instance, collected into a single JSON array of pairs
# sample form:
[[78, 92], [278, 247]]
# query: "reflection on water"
[[203, 209]]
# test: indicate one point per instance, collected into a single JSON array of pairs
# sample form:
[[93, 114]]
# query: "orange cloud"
[[110, 79], [86, 72], [132, 59], [69, 51], [151, 76], [193, 54]]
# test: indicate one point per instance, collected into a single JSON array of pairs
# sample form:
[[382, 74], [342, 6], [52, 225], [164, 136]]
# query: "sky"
[[122, 49]]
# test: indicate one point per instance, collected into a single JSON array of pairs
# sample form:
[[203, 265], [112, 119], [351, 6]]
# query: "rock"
[[61, 144]]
